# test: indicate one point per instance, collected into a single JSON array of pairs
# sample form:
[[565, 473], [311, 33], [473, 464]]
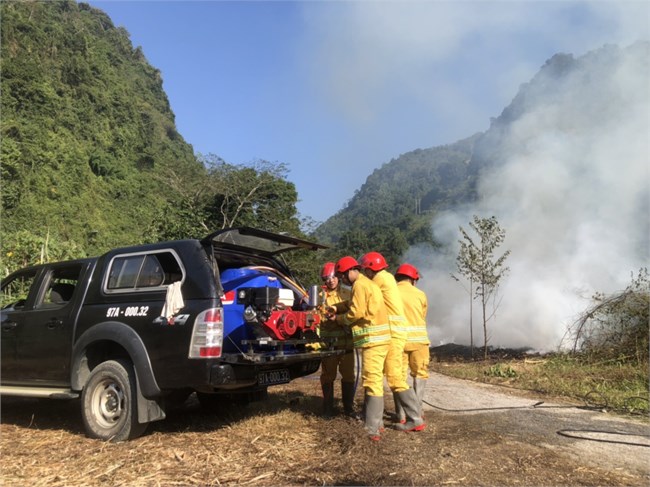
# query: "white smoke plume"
[[573, 195]]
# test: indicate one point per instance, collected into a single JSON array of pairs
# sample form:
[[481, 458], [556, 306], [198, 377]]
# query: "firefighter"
[[416, 350], [374, 267], [366, 315], [341, 337]]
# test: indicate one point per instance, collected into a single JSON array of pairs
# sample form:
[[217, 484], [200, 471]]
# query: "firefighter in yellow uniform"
[[416, 350], [374, 266], [366, 315], [341, 337]]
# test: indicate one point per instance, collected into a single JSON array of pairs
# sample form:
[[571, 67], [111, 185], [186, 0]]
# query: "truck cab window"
[[61, 284], [151, 274], [144, 271], [15, 292], [124, 272]]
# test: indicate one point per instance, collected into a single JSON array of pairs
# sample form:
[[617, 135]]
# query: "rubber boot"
[[374, 415], [400, 416], [347, 393], [420, 385], [362, 416], [328, 399], [414, 421]]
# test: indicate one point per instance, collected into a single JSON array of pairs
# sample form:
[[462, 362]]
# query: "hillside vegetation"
[[394, 208], [91, 158], [87, 131]]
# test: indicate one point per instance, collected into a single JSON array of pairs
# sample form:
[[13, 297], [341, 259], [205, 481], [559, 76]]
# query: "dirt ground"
[[477, 435]]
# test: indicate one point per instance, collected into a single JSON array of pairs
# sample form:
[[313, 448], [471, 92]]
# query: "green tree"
[[388, 241], [255, 195], [476, 262], [353, 242], [28, 248]]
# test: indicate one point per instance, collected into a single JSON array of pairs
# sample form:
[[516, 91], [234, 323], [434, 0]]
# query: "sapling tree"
[[476, 262]]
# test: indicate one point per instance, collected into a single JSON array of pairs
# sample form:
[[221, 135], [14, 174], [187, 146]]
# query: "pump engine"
[[261, 303]]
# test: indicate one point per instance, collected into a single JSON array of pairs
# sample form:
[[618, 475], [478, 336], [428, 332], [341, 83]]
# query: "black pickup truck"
[[137, 326]]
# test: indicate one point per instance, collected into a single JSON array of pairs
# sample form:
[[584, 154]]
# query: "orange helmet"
[[373, 261], [346, 263], [408, 270], [327, 270]]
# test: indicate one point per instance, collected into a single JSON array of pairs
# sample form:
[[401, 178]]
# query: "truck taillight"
[[207, 335]]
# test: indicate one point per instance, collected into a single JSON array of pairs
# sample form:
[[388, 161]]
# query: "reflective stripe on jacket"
[[367, 314], [415, 310], [394, 306]]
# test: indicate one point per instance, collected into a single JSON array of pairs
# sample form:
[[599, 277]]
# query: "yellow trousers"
[[416, 357], [339, 363], [372, 370], [394, 367]]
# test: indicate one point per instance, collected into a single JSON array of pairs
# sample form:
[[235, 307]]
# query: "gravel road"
[[590, 436]]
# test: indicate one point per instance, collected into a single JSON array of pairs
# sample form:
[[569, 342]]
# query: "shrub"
[[616, 326]]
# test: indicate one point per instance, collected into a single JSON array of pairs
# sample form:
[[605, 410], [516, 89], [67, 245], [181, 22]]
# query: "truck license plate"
[[270, 377]]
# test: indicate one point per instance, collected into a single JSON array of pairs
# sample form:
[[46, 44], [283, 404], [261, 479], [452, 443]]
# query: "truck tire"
[[109, 402]]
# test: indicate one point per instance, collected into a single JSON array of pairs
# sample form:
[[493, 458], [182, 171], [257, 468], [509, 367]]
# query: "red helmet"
[[327, 270], [346, 263], [408, 270], [373, 261]]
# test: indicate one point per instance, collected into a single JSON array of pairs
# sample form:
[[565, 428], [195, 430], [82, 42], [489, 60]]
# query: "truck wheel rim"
[[108, 403]]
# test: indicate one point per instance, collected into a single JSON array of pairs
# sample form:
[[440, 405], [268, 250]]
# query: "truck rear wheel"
[[109, 402]]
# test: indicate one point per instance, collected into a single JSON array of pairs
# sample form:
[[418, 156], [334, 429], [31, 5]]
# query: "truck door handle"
[[54, 323], [9, 325]]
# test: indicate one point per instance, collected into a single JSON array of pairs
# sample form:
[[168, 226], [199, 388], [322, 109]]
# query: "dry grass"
[[281, 441]]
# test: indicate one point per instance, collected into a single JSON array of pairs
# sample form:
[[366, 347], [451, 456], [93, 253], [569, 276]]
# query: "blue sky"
[[336, 89]]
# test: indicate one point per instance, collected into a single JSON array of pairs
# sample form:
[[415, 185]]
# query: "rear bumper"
[[277, 357], [235, 371], [267, 350]]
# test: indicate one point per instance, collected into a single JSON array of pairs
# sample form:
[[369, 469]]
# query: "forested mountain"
[[396, 205], [393, 209], [87, 131], [91, 158]]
